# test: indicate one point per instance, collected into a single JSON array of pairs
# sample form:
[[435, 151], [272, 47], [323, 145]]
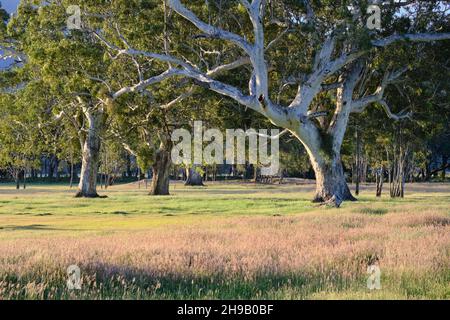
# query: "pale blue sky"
[[10, 5]]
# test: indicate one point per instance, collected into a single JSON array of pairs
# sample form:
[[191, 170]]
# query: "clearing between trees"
[[223, 241]]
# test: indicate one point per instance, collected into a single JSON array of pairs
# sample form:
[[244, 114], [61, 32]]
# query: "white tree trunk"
[[326, 161], [331, 182], [161, 171], [87, 187], [297, 118]]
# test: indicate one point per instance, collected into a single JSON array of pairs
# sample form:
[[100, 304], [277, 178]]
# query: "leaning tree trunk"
[[194, 178], [161, 171], [87, 187]]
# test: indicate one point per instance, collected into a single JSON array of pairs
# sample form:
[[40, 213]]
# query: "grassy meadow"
[[223, 241]]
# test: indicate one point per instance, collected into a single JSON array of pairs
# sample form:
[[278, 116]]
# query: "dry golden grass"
[[306, 254]]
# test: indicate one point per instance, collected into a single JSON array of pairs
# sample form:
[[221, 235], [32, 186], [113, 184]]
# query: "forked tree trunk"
[[397, 186], [194, 178], [161, 172], [324, 147], [379, 175], [87, 187], [399, 165]]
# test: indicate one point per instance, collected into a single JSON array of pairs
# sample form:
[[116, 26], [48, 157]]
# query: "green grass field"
[[224, 241]]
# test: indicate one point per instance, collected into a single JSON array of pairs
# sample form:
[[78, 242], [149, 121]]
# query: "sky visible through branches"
[[10, 5]]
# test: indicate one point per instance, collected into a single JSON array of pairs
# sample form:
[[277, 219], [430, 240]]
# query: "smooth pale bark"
[[87, 187], [161, 171], [397, 185], [324, 149], [331, 184], [194, 178], [297, 118], [379, 181], [71, 173]]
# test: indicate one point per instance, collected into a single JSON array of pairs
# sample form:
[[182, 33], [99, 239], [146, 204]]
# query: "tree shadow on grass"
[[116, 280], [110, 281]]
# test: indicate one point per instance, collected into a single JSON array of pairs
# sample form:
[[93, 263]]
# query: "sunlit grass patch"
[[374, 211], [221, 242]]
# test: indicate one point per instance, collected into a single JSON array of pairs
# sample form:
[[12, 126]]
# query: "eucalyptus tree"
[[23, 117], [143, 128], [334, 51], [150, 113], [18, 150], [128, 78], [403, 151], [431, 88], [82, 76], [11, 58], [61, 59]]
